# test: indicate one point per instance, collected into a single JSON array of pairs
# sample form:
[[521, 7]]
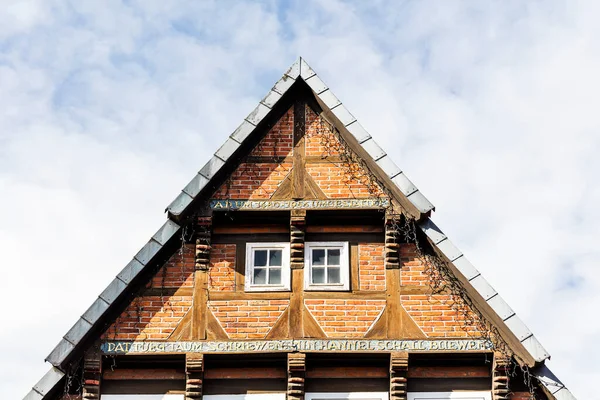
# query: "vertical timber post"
[[92, 373], [398, 375], [296, 375], [299, 154], [297, 231], [199, 302], [392, 277], [194, 375], [500, 377]]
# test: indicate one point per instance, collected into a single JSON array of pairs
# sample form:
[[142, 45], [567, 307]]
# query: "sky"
[[108, 108]]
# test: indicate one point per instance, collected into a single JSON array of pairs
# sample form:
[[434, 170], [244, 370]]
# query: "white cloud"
[[109, 108]]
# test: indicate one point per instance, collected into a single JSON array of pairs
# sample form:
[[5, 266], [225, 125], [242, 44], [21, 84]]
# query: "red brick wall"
[[318, 136], [221, 275], [435, 316], [155, 317], [248, 319], [413, 270], [338, 181], [371, 266], [279, 141], [345, 318], [259, 181], [149, 318], [178, 271], [254, 181]]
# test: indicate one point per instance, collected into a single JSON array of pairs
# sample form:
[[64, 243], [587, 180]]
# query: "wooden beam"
[[449, 372], [299, 170], [398, 375], [252, 229], [92, 373], [194, 376], [354, 268], [347, 372], [143, 374], [344, 229], [245, 373], [296, 308], [221, 295], [199, 299], [363, 294], [393, 306], [296, 375]]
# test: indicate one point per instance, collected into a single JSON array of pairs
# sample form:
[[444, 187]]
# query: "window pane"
[[260, 276], [333, 275], [260, 258], [333, 257], [275, 276], [275, 258], [318, 275], [318, 257]]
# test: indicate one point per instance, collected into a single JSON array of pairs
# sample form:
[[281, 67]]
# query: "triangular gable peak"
[[300, 158], [299, 128], [301, 82]]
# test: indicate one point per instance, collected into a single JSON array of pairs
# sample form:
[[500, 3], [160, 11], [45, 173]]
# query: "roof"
[[497, 309]]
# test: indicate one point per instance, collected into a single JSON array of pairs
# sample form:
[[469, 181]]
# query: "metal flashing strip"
[[552, 384], [111, 293], [345, 118], [482, 286], [45, 385]]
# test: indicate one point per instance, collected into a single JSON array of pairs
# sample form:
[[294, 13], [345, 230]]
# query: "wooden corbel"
[[194, 375], [296, 375], [398, 375]]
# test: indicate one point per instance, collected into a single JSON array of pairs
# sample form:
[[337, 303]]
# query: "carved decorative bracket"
[[203, 235], [92, 373], [392, 245], [194, 375], [297, 232], [398, 375], [296, 375], [500, 377]]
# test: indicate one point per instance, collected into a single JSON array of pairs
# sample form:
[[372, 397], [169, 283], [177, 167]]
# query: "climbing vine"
[[441, 280]]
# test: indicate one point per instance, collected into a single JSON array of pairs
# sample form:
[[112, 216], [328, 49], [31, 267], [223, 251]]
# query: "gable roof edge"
[[493, 299], [299, 70]]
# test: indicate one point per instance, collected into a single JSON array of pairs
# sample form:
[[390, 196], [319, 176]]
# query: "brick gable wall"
[[345, 318], [248, 319], [154, 317]]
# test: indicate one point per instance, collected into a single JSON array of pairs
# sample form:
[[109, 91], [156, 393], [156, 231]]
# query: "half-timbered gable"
[[299, 263]]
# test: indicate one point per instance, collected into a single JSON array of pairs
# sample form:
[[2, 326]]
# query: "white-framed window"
[[326, 266], [267, 267], [348, 396], [449, 396]]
